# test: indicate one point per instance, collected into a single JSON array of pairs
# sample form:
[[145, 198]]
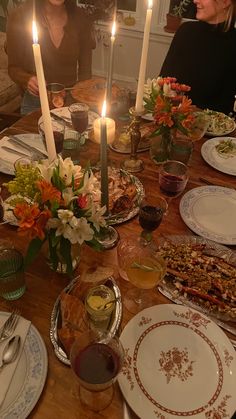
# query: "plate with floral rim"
[[170, 351], [210, 211], [29, 377]]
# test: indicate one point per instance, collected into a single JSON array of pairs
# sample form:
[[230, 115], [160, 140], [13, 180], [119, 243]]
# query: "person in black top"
[[203, 55]]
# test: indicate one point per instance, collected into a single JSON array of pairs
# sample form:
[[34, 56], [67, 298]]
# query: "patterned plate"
[[210, 211], [178, 363], [29, 378]]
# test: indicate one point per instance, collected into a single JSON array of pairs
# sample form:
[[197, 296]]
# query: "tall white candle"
[[103, 159], [50, 143], [110, 69], [143, 62]]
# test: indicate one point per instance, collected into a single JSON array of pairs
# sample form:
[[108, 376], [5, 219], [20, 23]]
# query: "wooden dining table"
[[59, 398]]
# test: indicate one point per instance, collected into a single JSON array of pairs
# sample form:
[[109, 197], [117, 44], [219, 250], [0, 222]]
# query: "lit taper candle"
[[50, 143], [103, 159], [110, 69], [143, 62]]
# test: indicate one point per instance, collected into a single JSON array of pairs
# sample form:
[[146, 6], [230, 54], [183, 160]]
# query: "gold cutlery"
[[15, 140], [13, 151], [211, 182]]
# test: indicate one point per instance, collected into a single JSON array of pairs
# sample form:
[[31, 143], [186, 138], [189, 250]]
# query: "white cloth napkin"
[[8, 159], [7, 372]]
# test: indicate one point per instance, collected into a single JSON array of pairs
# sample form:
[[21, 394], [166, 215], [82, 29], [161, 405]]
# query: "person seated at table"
[[66, 41], [202, 55]]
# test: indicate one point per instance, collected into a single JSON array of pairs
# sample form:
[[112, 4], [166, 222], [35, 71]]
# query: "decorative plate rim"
[[136, 383], [206, 152], [185, 205]]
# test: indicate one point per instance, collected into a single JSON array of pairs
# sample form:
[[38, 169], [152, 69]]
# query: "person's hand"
[[32, 86]]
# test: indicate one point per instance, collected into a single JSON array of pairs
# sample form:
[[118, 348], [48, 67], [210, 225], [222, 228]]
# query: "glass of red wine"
[[173, 178], [151, 213], [79, 116], [96, 360]]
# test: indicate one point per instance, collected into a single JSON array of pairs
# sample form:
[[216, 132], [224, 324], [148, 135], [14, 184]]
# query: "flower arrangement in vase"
[[172, 111], [58, 203]]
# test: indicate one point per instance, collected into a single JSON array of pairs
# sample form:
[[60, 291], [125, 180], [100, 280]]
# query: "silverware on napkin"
[[17, 141], [9, 326], [13, 151]]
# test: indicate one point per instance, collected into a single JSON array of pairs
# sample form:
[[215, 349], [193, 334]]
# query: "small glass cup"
[[79, 116], [173, 178], [12, 278], [56, 95], [96, 359], [58, 134], [23, 162], [181, 150], [99, 304], [71, 145]]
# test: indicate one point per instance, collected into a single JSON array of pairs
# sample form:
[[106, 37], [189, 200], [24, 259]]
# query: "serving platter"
[[178, 363], [220, 124], [214, 159], [56, 317], [194, 251], [210, 211]]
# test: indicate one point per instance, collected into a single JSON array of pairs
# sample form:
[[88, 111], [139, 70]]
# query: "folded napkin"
[[7, 159], [7, 372]]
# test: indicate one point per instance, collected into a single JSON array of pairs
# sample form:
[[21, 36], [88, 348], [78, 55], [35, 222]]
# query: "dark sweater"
[[60, 64], [204, 57]]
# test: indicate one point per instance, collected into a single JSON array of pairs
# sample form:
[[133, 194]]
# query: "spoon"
[[104, 306], [11, 350]]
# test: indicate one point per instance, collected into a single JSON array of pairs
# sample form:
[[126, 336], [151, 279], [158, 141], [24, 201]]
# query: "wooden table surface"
[[59, 399]]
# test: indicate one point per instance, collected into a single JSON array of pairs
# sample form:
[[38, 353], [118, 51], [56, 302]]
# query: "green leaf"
[[32, 251]]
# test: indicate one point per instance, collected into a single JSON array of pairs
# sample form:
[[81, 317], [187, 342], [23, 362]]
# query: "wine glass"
[[144, 268], [96, 360], [79, 116], [173, 178], [150, 216]]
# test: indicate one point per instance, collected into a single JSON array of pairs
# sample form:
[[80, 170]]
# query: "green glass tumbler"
[[12, 278]]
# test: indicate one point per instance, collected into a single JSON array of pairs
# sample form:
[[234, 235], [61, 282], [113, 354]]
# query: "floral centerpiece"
[[172, 110], [58, 203]]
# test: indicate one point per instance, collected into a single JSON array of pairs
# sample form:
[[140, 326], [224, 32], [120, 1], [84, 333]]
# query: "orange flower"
[[32, 221], [164, 119], [48, 191], [185, 105]]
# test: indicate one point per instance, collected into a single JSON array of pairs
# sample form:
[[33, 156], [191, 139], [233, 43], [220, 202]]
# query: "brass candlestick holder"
[[133, 164]]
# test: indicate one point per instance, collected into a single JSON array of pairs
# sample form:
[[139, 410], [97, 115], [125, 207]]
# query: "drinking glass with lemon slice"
[[144, 268]]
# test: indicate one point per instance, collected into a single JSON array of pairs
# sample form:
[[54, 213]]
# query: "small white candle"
[[43, 96], [111, 128], [103, 159], [110, 69], [143, 62]]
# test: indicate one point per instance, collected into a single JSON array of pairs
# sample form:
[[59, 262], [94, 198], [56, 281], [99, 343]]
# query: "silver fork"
[[10, 325]]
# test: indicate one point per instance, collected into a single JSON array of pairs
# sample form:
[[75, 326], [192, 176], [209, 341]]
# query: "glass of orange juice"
[[144, 268]]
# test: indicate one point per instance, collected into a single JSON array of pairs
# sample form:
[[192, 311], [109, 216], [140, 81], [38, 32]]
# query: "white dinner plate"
[[8, 159], [64, 113], [29, 377], [220, 124], [210, 211], [214, 159], [178, 363], [148, 116]]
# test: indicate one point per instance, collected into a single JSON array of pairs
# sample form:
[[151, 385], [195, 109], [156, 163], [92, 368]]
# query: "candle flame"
[[104, 108], [150, 4], [113, 30], [34, 32]]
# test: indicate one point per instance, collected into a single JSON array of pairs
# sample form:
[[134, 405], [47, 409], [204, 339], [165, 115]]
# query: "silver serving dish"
[[167, 288], [56, 317]]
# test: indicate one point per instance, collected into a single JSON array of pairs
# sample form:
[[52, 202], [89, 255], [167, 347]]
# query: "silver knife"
[[63, 120], [10, 150], [15, 140]]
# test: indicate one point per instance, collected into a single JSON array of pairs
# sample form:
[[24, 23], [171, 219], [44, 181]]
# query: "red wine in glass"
[[79, 116], [59, 139], [172, 185], [97, 363], [150, 217]]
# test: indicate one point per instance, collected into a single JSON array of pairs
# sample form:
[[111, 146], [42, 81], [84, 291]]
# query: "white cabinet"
[[128, 44]]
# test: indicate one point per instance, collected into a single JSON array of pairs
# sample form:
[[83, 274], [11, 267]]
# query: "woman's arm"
[[16, 44]]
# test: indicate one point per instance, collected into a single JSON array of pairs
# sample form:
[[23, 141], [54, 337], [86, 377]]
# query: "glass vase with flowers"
[[172, 112], [57, 204]]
